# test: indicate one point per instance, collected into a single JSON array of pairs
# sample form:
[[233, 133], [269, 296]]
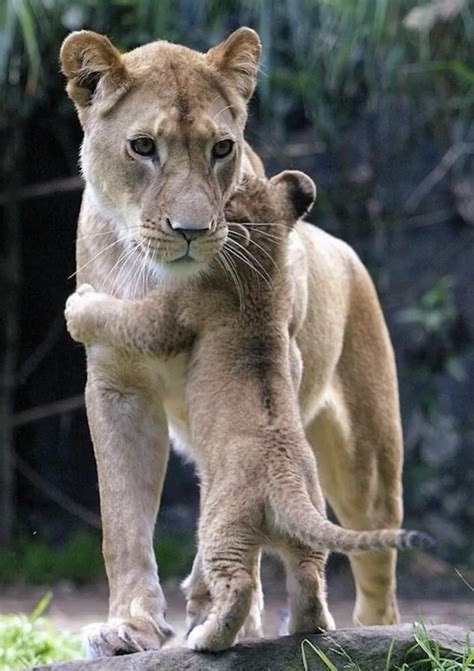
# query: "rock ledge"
[[367, 646]]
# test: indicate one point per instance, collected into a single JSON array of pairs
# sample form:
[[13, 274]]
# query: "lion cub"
[[259, 477]]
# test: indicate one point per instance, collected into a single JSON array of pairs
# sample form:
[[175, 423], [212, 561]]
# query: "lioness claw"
[[122, 637]]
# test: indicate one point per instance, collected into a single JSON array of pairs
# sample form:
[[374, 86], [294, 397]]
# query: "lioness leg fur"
[[130, 439], [361, 502], [306, 587]]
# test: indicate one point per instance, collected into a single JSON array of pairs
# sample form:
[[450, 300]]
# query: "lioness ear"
[[86, 59], [297, 190], [237, 59]]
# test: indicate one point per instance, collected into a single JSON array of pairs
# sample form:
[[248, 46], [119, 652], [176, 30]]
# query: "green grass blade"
[[320, 653], [41, 606]]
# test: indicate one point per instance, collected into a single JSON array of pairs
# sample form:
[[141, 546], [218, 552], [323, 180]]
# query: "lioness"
[[258, 474], [163, 150]]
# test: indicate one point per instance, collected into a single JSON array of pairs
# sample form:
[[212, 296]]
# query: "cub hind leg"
[[197, 594], [230, 567], [199, 601], [306, 586]]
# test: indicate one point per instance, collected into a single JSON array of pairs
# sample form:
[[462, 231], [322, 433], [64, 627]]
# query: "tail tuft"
[[416, 539]]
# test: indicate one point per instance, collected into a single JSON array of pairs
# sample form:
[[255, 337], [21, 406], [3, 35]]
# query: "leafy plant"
[[426, 655], [30, 640]]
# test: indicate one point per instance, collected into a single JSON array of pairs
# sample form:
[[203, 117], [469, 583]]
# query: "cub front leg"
[[96, 317], [150, 326], [130, 436]]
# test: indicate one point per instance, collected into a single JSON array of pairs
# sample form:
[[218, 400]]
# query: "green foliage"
[[427, 655], [434, 309], [433, 318], [80, 560], [434, 345], [37, 562], [29, 640], [174, 555]]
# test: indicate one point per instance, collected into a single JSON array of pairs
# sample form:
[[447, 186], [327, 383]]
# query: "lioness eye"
[[222, 148], [143, 146]]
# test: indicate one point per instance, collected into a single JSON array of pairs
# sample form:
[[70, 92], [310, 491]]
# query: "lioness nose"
[[191, 233]]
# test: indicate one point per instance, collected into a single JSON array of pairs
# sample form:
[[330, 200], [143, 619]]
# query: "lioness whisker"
[[129, 271], [256, 223], [102, 251], [137, 266], [120, 264], [108, 232], [147, 255], [125, 252]]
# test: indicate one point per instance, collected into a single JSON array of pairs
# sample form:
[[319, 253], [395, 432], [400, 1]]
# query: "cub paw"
[[198, 602], [203, 639], [123, 637], [79, 312]]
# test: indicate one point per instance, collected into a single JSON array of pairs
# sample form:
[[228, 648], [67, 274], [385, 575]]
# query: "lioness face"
[[163, 138]]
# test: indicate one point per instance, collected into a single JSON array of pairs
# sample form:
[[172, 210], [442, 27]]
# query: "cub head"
[[260, 215], [283, 199], [163, 139]]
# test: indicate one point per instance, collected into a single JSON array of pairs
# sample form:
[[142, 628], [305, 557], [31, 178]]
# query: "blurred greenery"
[[30, 640], [375, 98], [79, 560]]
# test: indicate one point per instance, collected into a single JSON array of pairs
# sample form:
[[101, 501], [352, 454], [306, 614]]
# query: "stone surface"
[[367, 646]]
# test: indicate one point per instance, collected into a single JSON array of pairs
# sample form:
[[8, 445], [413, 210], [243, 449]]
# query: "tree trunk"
[[9, 287]]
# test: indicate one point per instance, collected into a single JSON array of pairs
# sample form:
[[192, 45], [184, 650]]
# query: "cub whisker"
[[254, 242], [238, 255], [251, 256]]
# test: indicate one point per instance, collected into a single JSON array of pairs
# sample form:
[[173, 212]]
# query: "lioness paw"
[[122, 637], [81, 311]]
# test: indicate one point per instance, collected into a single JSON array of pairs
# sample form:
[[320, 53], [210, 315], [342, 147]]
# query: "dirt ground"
[[72, 608]]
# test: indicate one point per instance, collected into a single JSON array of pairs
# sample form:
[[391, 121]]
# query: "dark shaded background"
[[374, 99]]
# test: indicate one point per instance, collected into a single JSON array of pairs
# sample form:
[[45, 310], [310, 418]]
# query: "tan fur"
[[241, 395], [339, 345]]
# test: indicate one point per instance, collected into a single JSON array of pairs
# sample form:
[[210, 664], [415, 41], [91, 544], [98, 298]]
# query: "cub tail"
[[299, 519]]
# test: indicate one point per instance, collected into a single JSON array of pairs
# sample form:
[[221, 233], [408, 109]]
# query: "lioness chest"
[[171, 375]]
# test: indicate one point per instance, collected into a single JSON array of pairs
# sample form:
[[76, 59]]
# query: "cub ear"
[[297, 190], [237, 59], [86, 59]]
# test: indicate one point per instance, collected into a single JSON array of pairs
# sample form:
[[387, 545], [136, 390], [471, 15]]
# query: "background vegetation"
[[374, 98]]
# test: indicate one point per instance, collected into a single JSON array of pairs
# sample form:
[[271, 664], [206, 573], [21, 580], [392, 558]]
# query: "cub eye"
[[222, 148], [144, 146]]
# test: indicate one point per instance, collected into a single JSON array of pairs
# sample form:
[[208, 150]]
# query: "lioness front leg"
[[130, 437]]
